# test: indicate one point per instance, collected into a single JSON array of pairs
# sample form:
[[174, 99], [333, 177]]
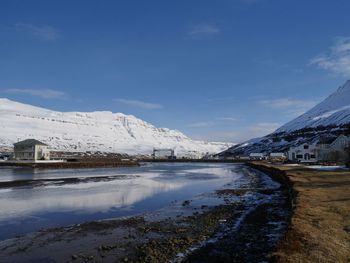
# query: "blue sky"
[[223, 70]]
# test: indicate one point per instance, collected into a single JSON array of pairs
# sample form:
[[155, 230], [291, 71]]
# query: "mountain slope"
[[334, 110], [92, 131], [327, 119]]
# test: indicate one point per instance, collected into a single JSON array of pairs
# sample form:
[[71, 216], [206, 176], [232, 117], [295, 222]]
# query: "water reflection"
[[146, 188], [85, 197]]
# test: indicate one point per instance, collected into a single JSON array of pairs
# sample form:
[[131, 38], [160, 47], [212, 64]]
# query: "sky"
[[217, 70]]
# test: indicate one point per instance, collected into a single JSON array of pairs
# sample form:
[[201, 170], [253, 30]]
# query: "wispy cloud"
[[203, 30], [45, 32], [42, 93], [139, 104], [281, 103], [263, 128], [221, 99], [338, 58], [293, 107], [226, 119], [245, 133], [219, 136], [202, 124], [215, 122]]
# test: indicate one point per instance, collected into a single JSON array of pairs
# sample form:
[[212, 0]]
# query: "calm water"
[[137, 190]]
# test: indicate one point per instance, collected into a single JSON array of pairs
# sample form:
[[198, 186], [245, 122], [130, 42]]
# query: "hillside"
[[327, 119], [334, 110], [92, 131]]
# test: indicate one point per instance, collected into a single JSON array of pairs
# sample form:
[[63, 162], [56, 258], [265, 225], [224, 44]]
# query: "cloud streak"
[[221, 99], [246, 133], [203, 30], [45, 33], [216, 122], [202, 124], [263, 128], [292, 106], [226, 119], [41, 93], [338, 58], [139, 104]]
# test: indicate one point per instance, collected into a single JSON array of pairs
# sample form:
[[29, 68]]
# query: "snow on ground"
[[326, 167]]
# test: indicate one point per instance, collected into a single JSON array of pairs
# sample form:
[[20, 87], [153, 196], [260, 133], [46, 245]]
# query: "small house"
[[31, 150], [304, 153]]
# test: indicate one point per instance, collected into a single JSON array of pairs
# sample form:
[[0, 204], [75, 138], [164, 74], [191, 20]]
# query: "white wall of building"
[[303, 153]]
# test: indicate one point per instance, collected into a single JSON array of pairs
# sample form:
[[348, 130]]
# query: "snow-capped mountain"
[[327, 119], [92, 131], [334, 110]]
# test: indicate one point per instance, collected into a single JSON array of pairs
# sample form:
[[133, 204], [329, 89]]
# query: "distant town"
[[325, 151]]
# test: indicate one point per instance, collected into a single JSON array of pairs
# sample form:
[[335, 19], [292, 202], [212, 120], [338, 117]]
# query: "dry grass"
[[320, 226]]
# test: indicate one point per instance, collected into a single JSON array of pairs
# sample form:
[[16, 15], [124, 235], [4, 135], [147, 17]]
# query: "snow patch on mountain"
[[102, 131]]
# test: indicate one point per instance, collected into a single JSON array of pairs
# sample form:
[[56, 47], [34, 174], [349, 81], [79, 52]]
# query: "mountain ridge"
[[103, 131], [335, 109]]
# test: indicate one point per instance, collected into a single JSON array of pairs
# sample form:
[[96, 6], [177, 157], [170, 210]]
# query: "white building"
[[31, 150], [277, 156], [256, 156], [193, 155], [304, 153]]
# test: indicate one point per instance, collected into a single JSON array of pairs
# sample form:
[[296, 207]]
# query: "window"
[[306, 147], [299, 156], [312, 156]]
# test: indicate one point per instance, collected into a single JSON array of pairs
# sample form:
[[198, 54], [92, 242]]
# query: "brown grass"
[[320, 226]]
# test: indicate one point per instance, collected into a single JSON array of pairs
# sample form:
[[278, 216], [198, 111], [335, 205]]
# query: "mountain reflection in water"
[[143, 189]]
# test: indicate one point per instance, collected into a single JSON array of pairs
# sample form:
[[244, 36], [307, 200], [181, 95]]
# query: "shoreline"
[[317, 226], [319, 229], [72, 165], [194, 232]]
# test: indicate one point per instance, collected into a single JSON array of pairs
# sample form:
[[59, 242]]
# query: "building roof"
[[29, 142]]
